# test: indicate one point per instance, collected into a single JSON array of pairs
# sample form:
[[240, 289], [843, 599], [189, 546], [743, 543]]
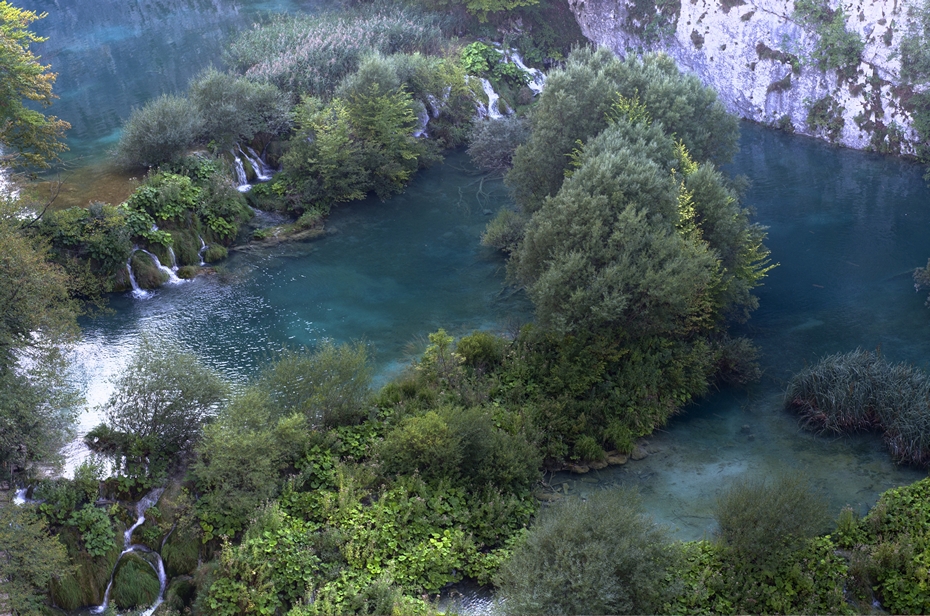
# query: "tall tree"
[[28, 137], [37, 317]]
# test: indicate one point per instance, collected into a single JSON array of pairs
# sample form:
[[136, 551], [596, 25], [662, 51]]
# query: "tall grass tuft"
[[135, 583], [311, 54], [860, 391]]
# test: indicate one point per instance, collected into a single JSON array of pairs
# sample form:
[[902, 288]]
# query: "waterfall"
[[422, 121], [20, 497], [202, 251], [241, 177], [537, 78], [141, 507], [261, 169], [491, 111], [137, 291], [174, 260], [172, 277]]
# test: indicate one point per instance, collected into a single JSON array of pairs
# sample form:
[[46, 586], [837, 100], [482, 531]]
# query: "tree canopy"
[[28, 137]]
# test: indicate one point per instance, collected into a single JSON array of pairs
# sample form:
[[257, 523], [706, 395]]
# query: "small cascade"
[[137, 291], [202, 251], [128, 546], [262, 170], [20, 497], [172, 277], [422, 121], [241, 178], [174, 260], [492, 110], [537, 78]]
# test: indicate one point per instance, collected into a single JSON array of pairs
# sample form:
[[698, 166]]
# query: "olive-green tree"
[[575, 107], [161, 402], [28, 137], [30, 558]]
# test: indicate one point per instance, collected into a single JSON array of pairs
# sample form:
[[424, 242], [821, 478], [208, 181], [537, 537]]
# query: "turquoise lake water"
[[847, 229]]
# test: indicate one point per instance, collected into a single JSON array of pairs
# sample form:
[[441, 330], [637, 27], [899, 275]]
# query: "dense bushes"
[[159, 132], [861, 390], [891, 548], [599, 556]]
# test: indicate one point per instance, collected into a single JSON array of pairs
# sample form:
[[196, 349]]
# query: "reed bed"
[[310, 54], [861, 391]]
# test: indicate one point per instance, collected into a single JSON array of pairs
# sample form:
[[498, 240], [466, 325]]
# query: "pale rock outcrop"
[[745, 52]]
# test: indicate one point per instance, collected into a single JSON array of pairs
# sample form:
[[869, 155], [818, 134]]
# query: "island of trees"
[[307, 492]]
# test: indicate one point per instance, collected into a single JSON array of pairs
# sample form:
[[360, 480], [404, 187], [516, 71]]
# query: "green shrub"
[[135, 583], [481, 350], [491, 143], [762, 523], [329, 386], [96, 529], [505, 231], [890, 549], [811, 582], [214, 253], [914, 48], [601, 556], [159, 132], [423, 445], [234, 107], [837, 48]]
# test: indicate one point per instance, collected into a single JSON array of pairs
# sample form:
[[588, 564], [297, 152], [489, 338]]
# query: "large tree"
[[29, 558], [27, 137], [37, 317], [160, 404]]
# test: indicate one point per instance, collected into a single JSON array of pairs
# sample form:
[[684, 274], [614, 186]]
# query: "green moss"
[[147, 274], [186, 247], [215, 253], [187, 272], [135, 583], [86, 585], [181, 551]]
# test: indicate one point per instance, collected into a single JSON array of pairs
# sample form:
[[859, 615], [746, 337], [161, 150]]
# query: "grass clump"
[[596, 557], [862, 391], [135, 583]]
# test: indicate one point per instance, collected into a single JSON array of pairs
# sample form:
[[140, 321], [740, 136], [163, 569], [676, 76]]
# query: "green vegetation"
[[890, 548], [825, 116], [653, 20], [914, 47], [31, 139], [861, 390], [157, 411], [837, 48], [491, 143], [600, 556], [30, 559]]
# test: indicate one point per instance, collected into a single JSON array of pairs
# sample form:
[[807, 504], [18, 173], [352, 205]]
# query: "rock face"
[[759, 56]]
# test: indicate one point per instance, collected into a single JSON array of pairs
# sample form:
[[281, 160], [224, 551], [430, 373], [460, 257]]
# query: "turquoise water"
[[387, 273], [113, 55]]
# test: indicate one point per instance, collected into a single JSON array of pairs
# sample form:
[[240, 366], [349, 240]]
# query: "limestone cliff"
[[762, 58]]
